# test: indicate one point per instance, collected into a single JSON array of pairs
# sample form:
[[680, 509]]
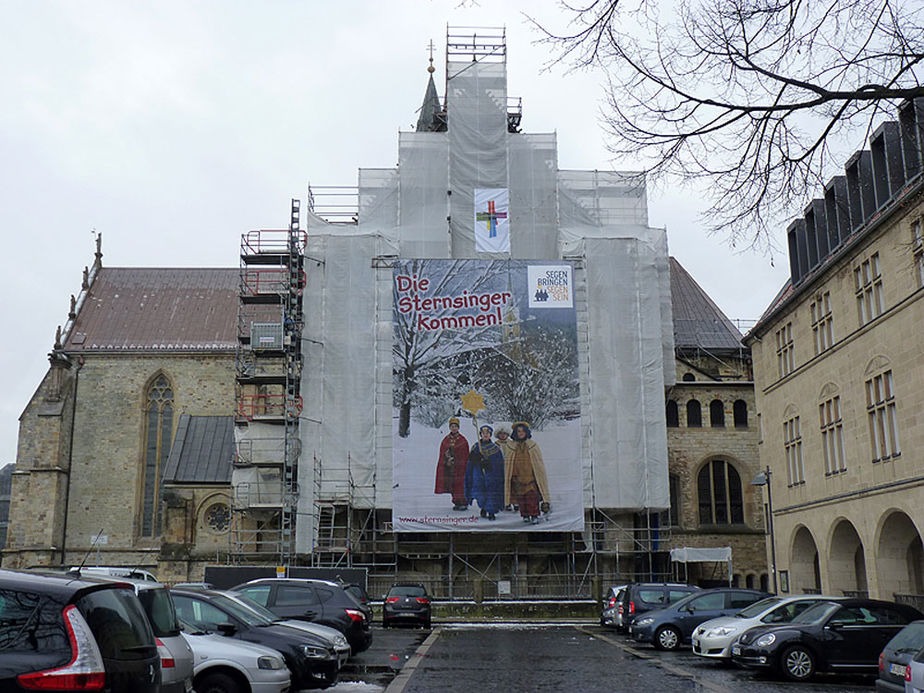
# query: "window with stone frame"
[[671, 414], [792, 444], [867, 278], [822, 322], [917, 248], [717, 413], [694, 414], [832, 434], [740, 413], [785, 353], [719, 492], [158, 415], [883, 422]]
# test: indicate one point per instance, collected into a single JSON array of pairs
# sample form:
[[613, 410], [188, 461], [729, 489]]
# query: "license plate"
[[736, 649], [897, 669]]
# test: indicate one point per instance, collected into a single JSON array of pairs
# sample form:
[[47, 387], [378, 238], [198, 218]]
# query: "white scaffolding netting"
[[424, 209]]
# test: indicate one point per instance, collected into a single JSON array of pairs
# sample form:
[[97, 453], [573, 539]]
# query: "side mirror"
[[226, 628]]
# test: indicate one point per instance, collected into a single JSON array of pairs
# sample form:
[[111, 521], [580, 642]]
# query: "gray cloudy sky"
[[172, 127]]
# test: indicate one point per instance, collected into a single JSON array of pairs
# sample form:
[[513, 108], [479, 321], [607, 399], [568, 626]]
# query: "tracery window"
[[158, 414], [719, 491]]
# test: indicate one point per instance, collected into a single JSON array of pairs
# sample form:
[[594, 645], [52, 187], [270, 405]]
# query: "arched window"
[[717, 414], [740, 410], [719, 490], [694, 414], [673, 417], [674, 489], [158, 414], [688, 377]]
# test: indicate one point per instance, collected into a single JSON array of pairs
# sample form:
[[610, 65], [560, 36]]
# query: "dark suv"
[[318, 601], [639, 597], [65, 633]]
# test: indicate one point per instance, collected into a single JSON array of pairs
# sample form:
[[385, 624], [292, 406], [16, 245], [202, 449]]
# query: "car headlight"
[[765, 639], [315, 651], [341, 641], [647, 621], [721, 631], [269, 662]]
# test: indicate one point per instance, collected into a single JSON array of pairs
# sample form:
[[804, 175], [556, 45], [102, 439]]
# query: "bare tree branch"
[[754, 97]]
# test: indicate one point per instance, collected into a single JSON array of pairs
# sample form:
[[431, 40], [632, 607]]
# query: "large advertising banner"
[[487, 421]]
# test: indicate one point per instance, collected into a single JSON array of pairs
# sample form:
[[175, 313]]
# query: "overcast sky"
[[172, 127]]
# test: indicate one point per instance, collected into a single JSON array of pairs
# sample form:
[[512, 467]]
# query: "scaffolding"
[[268, 381]]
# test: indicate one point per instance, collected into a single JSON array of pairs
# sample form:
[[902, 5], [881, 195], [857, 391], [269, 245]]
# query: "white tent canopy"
[[717, 554]]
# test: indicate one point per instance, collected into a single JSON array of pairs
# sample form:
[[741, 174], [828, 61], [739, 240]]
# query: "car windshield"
[[909, 639], [244, 613], [159, 607], [407, 591], [31, 622], [249, 603], [757, 608], [816, 613]]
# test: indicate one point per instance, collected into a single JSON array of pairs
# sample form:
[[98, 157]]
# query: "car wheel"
[[426, 624], [797, 663], [217, 683], [667, 638]]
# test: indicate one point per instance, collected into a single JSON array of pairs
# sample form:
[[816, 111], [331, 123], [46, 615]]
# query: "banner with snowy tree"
[[486, 343]]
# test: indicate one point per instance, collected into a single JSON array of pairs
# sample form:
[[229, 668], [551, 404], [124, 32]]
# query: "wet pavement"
[[549, 657]]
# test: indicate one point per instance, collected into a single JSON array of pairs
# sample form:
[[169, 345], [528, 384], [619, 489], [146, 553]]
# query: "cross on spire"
[[431, 48]]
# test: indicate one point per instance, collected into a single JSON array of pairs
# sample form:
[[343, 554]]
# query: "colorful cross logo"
[[491, 216]]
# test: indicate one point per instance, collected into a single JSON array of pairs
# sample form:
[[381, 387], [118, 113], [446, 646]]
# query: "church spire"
[[430, 118]]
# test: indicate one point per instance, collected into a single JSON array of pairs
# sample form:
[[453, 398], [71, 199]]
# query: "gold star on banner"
[[472, 402]]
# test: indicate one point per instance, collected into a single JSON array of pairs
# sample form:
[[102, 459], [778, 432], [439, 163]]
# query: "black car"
[[897, 655], [639, 597], [318, 601], [63, 633], [406, 602], [311, 660], [845, 636]]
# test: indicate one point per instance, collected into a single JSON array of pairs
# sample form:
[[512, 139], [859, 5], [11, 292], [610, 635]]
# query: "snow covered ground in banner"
[[418, 508]]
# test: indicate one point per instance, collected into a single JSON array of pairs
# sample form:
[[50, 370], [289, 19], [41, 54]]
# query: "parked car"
[[670, 627], [319, 601], [406, 602], [311, 661], [846, 636], [914, 673], [714, 638], [611, 611], [59, 632], [640, 597], [225, 665], [358, 592], [176, 657], [334, 637], [896, 656]]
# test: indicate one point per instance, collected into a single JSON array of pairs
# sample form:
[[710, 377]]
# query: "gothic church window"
[[158, 437], [719, 491]]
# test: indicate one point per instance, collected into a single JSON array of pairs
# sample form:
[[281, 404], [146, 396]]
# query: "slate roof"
[[157, 309], [698, 322], [202, 451]]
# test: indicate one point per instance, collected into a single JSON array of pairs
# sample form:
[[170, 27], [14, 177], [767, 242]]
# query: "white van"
[[113, 571]]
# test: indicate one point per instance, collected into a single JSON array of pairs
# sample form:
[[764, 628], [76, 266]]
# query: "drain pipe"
[[70, 463]]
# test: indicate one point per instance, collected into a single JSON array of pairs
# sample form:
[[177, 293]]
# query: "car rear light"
[[881, 661], [391, 600], [631, 607], [619, 609], [908, 673], [85, 671], [166, 661], [612, 602], [356, 615], [423, 600]]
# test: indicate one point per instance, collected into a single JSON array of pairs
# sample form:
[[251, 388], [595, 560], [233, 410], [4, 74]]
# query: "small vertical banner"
[[492, 223]]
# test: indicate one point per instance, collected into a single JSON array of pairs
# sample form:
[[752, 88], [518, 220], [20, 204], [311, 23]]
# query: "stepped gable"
[[202, 451], [157, 309], [698, 322]]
